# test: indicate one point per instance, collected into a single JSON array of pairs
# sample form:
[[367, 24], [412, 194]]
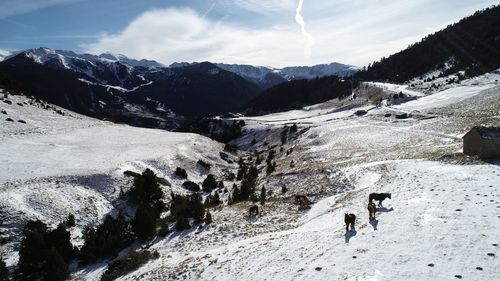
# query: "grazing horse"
[[371, 210], [303, 201], [253, 211], [379, 197], [300, 197], [349, 219]]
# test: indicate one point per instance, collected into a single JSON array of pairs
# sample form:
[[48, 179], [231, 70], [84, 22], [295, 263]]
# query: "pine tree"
[[253, 172], [236, 196], [270, 168], [247, 188], [263, 195], [258, 160], [181, 173], [4, 272], [164, 230], [146, 188], [60, 239], [107, 240], [70, 221], [55, 268], [216, 199], [182, 223], [144, 222], [209, 183], [30, 264], [208, 218], [198, 211]]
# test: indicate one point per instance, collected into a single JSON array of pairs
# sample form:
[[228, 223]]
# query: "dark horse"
[[349, 219], [371, 210], [303, 201], [379, 197], [253, 211]]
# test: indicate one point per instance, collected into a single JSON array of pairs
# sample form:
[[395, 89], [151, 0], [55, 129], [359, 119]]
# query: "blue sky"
[[259, 32]]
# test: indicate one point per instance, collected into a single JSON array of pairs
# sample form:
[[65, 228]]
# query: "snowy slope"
[[441, 224], [430, 230], [55, 164]]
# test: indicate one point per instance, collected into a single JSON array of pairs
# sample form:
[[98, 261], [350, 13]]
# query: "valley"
[[189, 163], [338, 158]]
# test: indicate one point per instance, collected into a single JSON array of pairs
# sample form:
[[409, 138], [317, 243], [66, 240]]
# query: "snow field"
[[54, 165], [441, 224], [442, 221]]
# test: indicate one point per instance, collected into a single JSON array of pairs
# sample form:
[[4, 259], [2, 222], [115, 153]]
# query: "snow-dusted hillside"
[[441, 223], [55, 162]]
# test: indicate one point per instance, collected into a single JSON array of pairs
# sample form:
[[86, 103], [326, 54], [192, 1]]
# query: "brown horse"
[[349, 219], [253, 211], [304, 203], [371, 210], [300, 197]]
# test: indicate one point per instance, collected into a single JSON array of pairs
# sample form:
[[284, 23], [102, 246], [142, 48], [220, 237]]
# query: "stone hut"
[[483, 142]]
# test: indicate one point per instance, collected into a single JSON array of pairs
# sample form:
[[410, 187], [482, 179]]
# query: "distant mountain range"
[[147, 93], [267, 77], [144, 92]]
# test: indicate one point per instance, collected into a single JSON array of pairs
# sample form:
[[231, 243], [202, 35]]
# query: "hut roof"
[[488, 132]]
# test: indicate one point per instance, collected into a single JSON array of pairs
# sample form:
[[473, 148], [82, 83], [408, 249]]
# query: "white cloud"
[[14, 7], [260, 6], [171, 35], [359, 34], [3, 54]]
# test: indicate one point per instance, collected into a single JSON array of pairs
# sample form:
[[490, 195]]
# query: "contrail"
[[300, 20]]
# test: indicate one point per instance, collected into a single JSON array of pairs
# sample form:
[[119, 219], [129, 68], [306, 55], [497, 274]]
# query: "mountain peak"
[[267, 77], [43, 54]]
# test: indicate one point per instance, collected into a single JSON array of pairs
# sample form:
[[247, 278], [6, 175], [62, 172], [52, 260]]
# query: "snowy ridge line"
[[118, 88]]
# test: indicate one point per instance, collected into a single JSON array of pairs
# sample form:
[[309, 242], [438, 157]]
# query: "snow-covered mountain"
[[127, 90], [320, 70], [129, 61], [67, 58], [268, 76]]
